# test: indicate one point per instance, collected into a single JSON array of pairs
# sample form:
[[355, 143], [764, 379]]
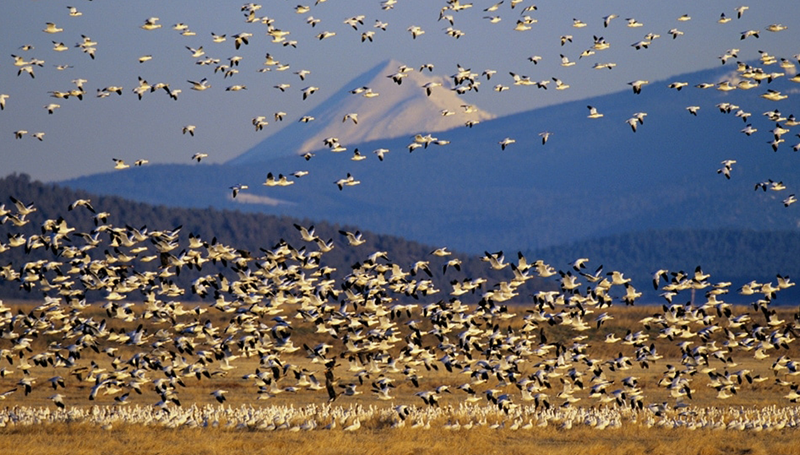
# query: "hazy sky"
[[82, 137]]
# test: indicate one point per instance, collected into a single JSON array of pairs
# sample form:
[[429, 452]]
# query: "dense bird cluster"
[[384, 327], [378, 331], [463, 417]]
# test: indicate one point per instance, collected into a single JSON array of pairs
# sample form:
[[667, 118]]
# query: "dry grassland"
[[376, 436], [133, 439]]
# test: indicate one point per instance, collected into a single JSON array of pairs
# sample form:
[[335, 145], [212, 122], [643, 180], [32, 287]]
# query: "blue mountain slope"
[[594, 177]]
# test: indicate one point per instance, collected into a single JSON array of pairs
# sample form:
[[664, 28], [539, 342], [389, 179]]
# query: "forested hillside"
[[246, 231], [728, 255]]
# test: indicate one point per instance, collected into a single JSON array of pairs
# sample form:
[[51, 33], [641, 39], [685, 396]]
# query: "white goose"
[[593, 112], [200, 86]]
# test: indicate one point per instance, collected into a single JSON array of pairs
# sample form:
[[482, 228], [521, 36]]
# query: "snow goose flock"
[[402, 327]]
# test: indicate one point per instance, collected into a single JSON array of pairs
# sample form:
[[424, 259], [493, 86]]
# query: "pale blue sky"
[[82, 136]]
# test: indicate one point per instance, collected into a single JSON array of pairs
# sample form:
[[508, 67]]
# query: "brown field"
[[176, 434], [82, 440]]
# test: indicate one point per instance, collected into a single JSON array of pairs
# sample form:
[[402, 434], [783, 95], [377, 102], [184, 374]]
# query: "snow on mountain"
[[397, 110]]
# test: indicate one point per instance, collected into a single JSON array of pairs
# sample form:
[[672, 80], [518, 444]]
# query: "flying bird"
[[506, 142], [593, 112], [727, 165], [200, 86]]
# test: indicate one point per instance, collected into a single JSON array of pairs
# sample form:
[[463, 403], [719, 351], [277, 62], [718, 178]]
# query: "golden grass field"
[[376, 434], [82, 440]]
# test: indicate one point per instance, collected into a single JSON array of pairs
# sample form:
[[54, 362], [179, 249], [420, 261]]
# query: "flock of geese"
[[464, 80], [112, 325], [384, 326]]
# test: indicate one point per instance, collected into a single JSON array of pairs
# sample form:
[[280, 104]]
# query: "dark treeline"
[[246, 231], [738, 256], [728, 255]]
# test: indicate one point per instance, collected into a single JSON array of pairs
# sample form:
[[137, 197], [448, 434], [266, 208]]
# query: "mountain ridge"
[[593, 178], [397, 110]]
